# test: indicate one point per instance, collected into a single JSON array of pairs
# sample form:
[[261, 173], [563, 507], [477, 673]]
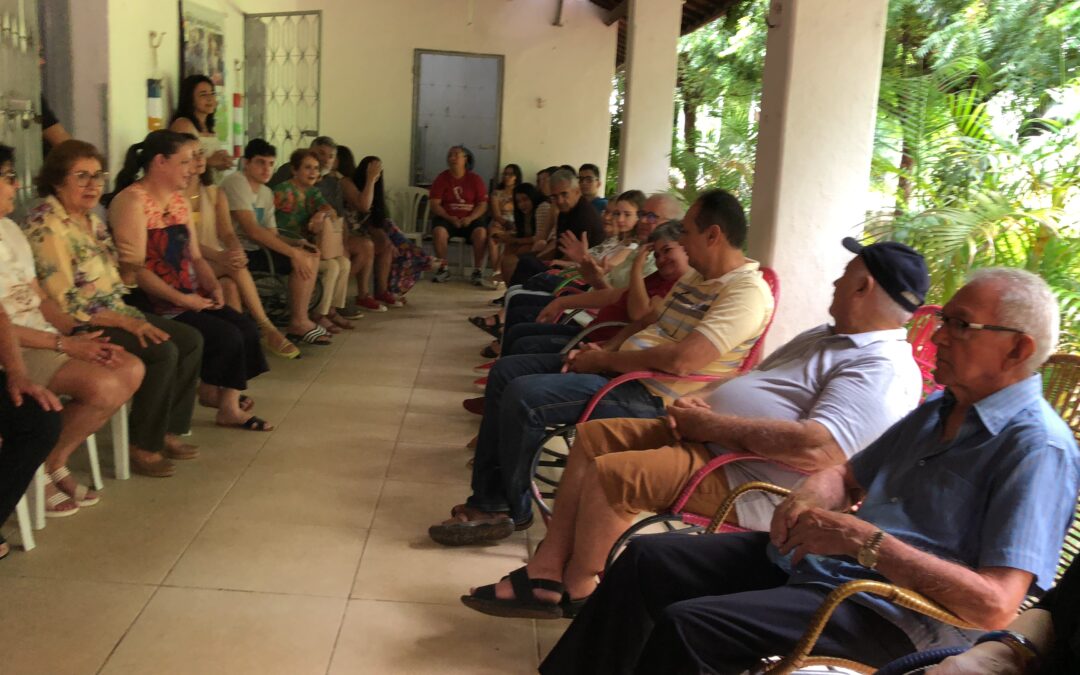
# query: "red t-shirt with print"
[[459, 196]]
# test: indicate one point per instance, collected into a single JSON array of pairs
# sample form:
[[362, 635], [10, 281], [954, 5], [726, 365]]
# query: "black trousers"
[[677, 603], [165, 401], [232, 354], [28, 433]]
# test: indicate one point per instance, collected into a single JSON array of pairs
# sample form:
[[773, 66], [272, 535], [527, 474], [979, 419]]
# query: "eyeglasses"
[[83, 178], [9, 177], [648, 215], [960, 329]]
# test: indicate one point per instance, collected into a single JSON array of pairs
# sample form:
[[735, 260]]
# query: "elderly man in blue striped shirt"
[[966, 500]]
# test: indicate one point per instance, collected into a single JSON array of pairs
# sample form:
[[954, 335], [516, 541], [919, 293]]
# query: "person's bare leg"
[[507, 265], [495, 253], [361, 256], [440, 239], [249, 299], [230, 292], [300, 291], [551, 558], [96, 393], [594, 535], [479, 247], [384, 258], [229, 410]]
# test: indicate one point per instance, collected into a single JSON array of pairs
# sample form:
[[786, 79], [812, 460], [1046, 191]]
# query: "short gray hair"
[[889, 308], [324, 141], [671, 207], [669, 231], [563, 176], [1025, 302]]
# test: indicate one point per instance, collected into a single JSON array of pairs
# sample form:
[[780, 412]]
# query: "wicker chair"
[[1061, 386]]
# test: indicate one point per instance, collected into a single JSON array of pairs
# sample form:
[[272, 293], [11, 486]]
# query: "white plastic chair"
[[26, 531], [409, 221], [121, 467]]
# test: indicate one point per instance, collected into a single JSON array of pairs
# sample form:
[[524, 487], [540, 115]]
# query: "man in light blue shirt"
[[966, 501]]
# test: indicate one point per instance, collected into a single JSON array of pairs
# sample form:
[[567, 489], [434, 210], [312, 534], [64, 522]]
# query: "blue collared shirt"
[[1000, 494]]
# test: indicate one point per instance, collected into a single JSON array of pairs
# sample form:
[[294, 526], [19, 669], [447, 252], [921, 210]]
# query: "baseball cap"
[[899, 269]]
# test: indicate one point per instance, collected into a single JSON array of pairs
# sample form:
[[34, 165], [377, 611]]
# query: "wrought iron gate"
[[281, 70]]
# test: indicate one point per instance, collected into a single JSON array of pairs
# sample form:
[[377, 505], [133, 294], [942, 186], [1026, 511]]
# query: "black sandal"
[[524, 604], [252, 423]]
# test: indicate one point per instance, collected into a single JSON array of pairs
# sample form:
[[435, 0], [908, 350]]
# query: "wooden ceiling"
[[696, 13]]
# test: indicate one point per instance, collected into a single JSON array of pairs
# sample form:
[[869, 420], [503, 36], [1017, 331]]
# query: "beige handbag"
[[331, 239]]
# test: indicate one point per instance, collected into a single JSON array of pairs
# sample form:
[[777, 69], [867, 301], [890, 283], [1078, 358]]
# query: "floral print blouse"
[[294, 207], [76, 268]]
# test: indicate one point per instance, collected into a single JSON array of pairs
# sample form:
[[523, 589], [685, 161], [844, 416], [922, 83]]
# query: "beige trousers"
[[334, 274]]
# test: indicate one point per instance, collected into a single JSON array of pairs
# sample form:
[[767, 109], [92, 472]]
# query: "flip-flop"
[[252, 423], [524, 604], [311, 337]]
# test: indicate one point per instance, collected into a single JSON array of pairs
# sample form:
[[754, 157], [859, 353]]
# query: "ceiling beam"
[[617, 12]]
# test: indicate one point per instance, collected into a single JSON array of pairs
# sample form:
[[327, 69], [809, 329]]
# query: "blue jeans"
[[538, 338], [524, 395]]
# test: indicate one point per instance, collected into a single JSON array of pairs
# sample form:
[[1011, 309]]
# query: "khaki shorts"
[[42, 364], [642, 467]]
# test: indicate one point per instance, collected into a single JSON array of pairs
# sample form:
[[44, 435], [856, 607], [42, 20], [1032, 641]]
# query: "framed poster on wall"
[[202, 52]]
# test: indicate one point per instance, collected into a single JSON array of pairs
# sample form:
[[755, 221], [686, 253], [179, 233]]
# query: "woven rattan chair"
[[1061, 387]]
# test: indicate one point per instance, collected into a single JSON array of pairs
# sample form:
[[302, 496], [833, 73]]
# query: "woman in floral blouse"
[[303, 213], [77, 267]]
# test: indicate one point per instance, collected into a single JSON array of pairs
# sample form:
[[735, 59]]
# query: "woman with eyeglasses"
[[97, 376], [77, 267], [158, 251]]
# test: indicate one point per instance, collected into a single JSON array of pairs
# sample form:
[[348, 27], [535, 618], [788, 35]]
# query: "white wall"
[[367, 82]]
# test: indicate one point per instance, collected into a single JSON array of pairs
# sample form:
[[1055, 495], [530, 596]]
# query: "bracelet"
[[59, 347], [1021, 646]]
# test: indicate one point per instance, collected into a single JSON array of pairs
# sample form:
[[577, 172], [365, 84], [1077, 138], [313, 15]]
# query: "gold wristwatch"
[[868, 552]]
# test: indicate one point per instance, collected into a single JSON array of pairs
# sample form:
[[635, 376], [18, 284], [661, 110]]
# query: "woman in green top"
[[302, 213]]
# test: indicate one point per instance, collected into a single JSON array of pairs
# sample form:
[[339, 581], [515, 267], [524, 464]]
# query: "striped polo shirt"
[[730, 311]]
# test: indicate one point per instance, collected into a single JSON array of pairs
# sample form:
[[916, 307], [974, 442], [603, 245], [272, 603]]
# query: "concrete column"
[[652, 42], [820, 90]]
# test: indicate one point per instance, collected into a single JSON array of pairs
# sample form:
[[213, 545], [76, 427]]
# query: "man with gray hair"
[[966, 501], [576, 215]]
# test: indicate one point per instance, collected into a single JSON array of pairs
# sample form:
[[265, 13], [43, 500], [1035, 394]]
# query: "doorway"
[[457, 100]]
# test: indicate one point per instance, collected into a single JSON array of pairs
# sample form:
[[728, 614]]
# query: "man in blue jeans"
[[706, 326]]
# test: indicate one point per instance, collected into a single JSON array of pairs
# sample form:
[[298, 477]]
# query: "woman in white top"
[[223, 250], [99, 377], [195, 115]]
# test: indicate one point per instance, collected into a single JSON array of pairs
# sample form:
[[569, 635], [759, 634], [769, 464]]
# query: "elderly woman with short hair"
[[77, 267]]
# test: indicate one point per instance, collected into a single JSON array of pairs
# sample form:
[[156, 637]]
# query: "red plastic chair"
[[923, 325], [921, 329], [547, 458]]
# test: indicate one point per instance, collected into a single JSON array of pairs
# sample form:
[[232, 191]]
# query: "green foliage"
[[976, 161]]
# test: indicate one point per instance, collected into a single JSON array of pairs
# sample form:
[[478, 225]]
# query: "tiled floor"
[[304, 550]]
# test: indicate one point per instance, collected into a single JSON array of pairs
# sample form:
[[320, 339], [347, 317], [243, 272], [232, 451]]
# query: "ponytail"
[[138, 157]]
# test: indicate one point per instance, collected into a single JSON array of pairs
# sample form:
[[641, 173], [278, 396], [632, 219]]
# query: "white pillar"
[[652, 42], [819, 100]]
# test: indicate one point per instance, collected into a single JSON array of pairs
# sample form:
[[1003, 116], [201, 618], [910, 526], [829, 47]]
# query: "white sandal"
[[56, 499], [81, 490]]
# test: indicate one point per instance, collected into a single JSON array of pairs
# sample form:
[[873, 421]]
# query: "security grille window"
[[20, 92], [282, 58]]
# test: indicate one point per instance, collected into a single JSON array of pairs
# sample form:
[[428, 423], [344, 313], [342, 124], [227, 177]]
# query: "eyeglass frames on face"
[[648, 215], [83, 178], [10, 177], [959, 328]]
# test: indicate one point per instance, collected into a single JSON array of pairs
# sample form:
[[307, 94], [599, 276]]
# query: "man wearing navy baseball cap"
[[899, 269]]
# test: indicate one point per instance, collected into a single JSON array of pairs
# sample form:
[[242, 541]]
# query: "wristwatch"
[[1024, 649], [868, 552]]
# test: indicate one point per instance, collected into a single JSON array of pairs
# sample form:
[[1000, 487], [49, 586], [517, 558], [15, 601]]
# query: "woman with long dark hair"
[[194, 115], [408, 260], [501, 208], [159, 253]]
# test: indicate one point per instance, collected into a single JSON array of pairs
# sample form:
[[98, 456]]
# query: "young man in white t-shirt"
[[251, 205]]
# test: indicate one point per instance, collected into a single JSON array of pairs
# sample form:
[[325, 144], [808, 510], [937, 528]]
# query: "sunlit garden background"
[[977, 151]]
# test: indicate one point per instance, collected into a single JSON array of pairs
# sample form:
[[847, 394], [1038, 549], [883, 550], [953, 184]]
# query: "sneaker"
[[369, 303], [350, 312], [389, 299], [477, 278], [441, 276]]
